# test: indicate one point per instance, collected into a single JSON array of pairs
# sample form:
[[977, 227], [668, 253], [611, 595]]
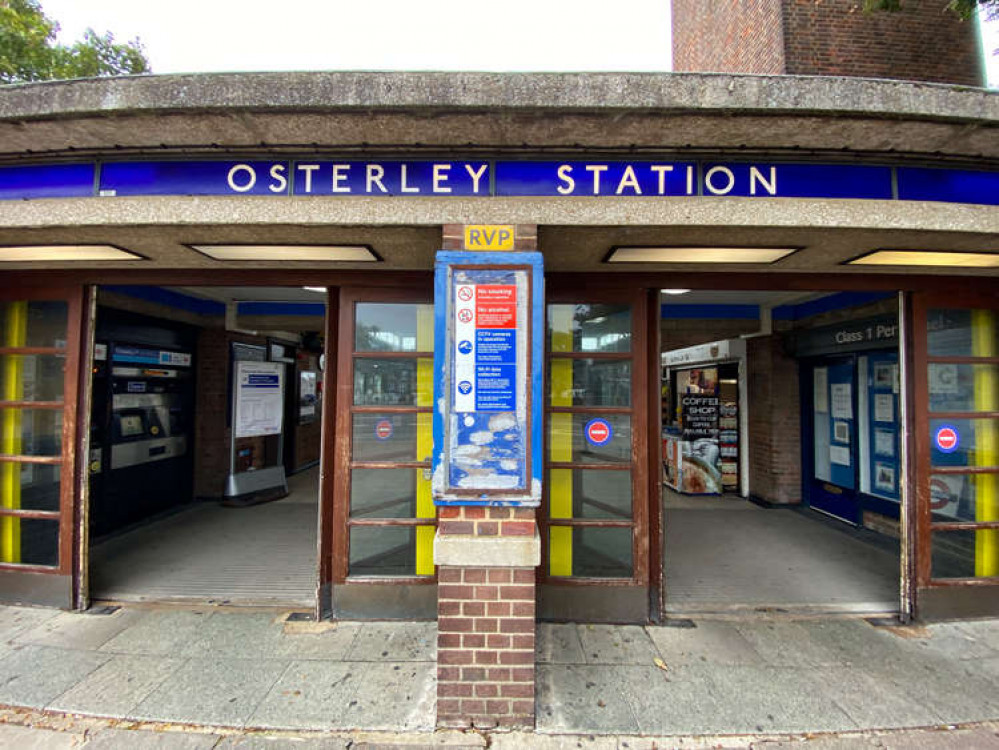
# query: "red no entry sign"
[[383, 429], [947, 439], [598, 431]]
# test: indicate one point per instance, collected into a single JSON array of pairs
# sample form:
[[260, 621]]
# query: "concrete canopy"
[[423, 115]]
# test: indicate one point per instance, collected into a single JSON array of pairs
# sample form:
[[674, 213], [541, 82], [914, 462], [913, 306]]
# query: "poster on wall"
[[699, 413], [259, 398], [884, 407], [841, 396], [820, 388]]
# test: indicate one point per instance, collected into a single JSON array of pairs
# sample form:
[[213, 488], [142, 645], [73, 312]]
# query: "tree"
[[964, 8], [28, 51]]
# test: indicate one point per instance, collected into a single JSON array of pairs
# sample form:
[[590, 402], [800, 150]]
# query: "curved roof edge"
[[555, 92]]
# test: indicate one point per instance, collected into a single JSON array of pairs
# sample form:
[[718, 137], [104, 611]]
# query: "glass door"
[[594, 516], [385, 515], [40, 345]]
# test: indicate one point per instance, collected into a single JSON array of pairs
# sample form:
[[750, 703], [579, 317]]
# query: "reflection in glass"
[[387, 437], [31, 432], [962, 387], [40, 323], [589, 382], [383, 550], [381, 327], [964, 442], [962, 333], [964, 497], [39, 540], [385, 382], [30, 486], [589, 328], [965, 554], [589, 493], [383, 493], [569, 444], [595, 552], [31, 377]]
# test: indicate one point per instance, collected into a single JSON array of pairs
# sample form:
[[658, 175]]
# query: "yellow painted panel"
[[560, 551], [425, 550], [489, 237], [15, 334], [424, 328], [560, 493], [425, 381], [983, 336], [560, 324]]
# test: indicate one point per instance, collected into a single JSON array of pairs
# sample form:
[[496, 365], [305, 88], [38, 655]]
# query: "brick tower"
[[922, 42]]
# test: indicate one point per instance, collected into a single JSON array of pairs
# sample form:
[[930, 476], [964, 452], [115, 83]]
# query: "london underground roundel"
[[598, 431], [947, 439]]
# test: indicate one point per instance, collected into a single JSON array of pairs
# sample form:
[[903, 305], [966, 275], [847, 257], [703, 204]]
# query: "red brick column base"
[[486, 617]]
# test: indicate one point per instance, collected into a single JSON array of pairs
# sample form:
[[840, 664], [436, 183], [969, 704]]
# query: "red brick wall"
[[679, 333], [774, 422], [922, 42], [727, 36]]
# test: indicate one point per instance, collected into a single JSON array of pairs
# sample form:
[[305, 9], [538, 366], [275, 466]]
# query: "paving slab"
[[786, 643], [394, 642], [220, 692], [773, 700], [954, 641], [308, 695], [127, 739], [29, 738], [679, 701], [617, 644], [80, 630], [522, 740], [558, 643], [117, 686], [399, 697], [585, 699], [163, 632], [16, 620], [33, 675], [257, 742], [873, 703], [710, 642]]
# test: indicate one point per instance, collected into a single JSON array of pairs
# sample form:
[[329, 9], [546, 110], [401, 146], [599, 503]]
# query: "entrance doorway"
[[205, 444], [781, 452]]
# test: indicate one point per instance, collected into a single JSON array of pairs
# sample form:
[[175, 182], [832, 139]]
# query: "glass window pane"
[[962, 333], [587, 552], [967, 497], [589, 382], [386, 382], [29, 541], [31, 432], [31, 377], [956, 387], [589, 328], [392, 437], [589, 493], [380, 327], [383, 493], [568, 441], [385, 550], [965, 554], [29, 486], [964, 442], [41, 323]]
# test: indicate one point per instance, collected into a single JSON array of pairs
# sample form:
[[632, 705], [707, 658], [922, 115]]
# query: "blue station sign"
[[483, 178]]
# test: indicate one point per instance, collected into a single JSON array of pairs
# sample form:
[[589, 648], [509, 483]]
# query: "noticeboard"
[[487, 424]]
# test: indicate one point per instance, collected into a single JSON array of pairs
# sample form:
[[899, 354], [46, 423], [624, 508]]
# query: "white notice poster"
[[839, 455], [820, 388], [884, 407], [259, 398], [842, 400]]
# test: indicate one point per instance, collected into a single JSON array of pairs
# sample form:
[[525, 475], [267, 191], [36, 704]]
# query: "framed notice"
[[259, 398]]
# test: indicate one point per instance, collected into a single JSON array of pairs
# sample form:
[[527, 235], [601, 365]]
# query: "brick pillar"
[[486, 616]]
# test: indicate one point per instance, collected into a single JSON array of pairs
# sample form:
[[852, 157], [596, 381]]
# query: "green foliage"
[[28, 51], [964, 8]]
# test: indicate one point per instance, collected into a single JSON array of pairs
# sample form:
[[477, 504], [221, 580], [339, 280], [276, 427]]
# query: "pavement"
[[168, 678]]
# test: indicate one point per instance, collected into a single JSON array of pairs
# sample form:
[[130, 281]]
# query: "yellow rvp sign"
[[489, 237]]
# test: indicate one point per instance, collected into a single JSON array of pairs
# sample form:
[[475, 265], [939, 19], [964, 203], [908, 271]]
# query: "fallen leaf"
[[660, 663]]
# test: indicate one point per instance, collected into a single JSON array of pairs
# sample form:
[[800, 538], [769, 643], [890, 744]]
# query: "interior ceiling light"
[[19, 253], [341, 253], [674, 291], [926, 258], [698, 254]]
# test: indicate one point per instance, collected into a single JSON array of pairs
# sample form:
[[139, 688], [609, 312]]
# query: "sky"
[[185, 36]]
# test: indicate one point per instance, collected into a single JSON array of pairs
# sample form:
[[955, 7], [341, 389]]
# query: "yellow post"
[[424, 439], [560, 440], [986, 454], [15, 334]]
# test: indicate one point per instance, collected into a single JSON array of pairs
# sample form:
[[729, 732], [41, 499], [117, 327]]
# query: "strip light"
[[59, 253], [926, 258], [698, 254], [340, 253]]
